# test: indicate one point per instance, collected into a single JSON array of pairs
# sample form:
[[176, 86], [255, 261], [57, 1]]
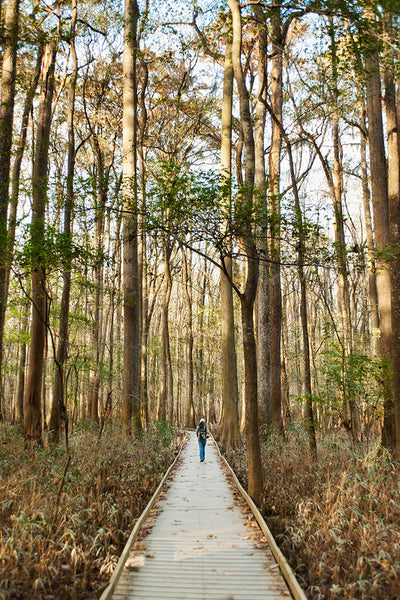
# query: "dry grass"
[[337, 522], [68, 551]]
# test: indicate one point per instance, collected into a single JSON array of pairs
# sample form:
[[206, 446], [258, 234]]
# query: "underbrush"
[[337, 521], [64, 524]]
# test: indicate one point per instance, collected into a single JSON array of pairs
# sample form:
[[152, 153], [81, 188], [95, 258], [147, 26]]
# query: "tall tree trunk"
[[263, 293], [372, 290], [165, 399], [132, 304], [277, 41], [393, 144], [19, 403], [98, 317], [230, 432], [58, 408], [203, 377], [340, 242], [380, 203], [247, 297], [8, 73], [142, 257], [33, 396], [301, 256], [187, 275]]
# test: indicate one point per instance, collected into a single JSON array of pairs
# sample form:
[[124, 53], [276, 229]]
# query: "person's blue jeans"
[[202, 447]]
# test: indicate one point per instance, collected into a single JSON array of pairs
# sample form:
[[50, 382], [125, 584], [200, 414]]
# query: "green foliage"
[[56, 249], [350, 378], [184, 203]]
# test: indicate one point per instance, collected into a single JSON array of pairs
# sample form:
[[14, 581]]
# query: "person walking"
[[202, 435]]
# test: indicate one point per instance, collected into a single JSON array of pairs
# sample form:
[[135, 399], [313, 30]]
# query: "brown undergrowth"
[[336, 521], [68, 548]]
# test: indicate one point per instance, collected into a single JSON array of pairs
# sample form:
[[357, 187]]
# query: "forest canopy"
[[200, 216], [134, 172]]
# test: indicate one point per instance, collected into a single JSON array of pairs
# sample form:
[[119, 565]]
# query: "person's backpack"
[[203, 432]]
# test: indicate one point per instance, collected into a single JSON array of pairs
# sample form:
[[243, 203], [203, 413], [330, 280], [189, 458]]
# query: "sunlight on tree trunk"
[[379, 195], [230, 433]]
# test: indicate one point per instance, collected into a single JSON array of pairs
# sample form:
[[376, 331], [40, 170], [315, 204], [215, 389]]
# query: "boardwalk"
[[201, 542]]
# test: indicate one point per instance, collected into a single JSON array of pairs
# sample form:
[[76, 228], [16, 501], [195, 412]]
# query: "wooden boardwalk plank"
[[201, 541]]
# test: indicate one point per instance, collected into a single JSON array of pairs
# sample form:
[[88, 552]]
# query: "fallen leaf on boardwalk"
[[230, 507], [140, 546], [149, 555]]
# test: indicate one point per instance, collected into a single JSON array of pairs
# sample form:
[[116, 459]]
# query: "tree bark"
[[58, 407], [275, 216], [33, 396], [8, 74], [263, 291], [131, 281], [187, 280], [165, 398], [393, 162], [142, 257], [380, 203], [340, 242], [230, 432], [309, 416], [248, 247], [19, 403], [372, 290]]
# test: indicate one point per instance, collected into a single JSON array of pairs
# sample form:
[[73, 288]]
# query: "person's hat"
[[202, 420]]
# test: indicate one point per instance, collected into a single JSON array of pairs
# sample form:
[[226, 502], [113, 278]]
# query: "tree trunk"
[[380, 203], [142, 257], [275, 216], [202, 376], [230, 433], [33, 397], [263, 293], [187, 274], [58, 408], [131, 282], [393, 144], [165, 399], [309, 416], [340, 243], [247, 298], [372, 291], [8, 74], [19, 404]]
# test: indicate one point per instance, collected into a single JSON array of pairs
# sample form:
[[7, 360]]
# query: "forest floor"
[[337, 521], [64, 524], [62, 529]]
